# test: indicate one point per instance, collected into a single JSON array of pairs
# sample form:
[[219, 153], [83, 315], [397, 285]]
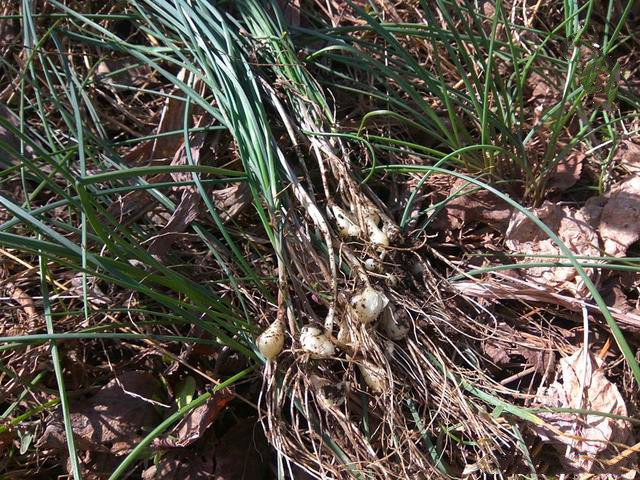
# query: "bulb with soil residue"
[[395, 327], [271, 341], [375, 377], [346, 226], [376, 236], [368, 304], [316, 343], [329, 395]]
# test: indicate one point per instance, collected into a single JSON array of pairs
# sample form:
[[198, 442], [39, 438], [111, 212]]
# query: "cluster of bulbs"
[[366, 306]]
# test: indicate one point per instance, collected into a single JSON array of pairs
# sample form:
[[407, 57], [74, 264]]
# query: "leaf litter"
[[471, 204], [586, 441], [524, 237], [196, 422], [111, 422], [566, 173], [617, 216], [114, 418]]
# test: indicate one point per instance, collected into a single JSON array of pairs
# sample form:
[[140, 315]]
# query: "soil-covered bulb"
[[271, 341]]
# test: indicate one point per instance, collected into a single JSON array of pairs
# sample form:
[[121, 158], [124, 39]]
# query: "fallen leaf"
[[522, 230], [488, 9], [291, 12], [182, 465], [620, 219], [543, 360], [567, 172], [542, 90], [137, 203], [171, 119], [585, 441], [614, 294], [121, 71], [6, 439], [114, 420], [628, 156], [23, 299], [475, 206], [571, 226], [95, 465], [185, 213], [508, 343], [496, 353], [133, 205], [94, 294], [196, 422], [187, 210], [592, 209], [511, 288], [242, 452], [230, 201]]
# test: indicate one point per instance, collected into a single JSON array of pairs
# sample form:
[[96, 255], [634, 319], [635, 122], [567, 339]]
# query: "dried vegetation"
[[428, 209]]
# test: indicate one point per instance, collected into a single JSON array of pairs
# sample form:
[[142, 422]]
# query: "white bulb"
[[370, 264], [346, 226], [368, 304], [271, 341], [315, 342], [372, 216], [375, 377], [376, 236], [394, 327]]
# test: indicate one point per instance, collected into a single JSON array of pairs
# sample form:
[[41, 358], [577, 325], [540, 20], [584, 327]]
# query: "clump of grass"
[[320, 114]]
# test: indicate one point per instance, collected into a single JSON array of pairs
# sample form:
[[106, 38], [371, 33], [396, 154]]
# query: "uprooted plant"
[[380, 153]]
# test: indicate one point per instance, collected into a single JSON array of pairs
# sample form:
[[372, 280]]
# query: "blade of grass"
[[57, 368]]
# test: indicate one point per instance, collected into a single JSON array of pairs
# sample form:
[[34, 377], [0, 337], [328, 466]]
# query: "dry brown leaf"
[[23, 299], [196, 422], [136, 203], [133, 205], [95, 465], [291, 12], [542, 91], [121, 71], [592, 209], [515, 289], [230, 201], [508, 343], [543, 360], [95, 295], [6, 440], [614, 294], [171, 119], [114, 420], [571, 226], [620, 219], [477, 206], [584, 441], [496, 353], [187, 209], [488, 9], [567, 172], [628, 156], [185, 213]]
